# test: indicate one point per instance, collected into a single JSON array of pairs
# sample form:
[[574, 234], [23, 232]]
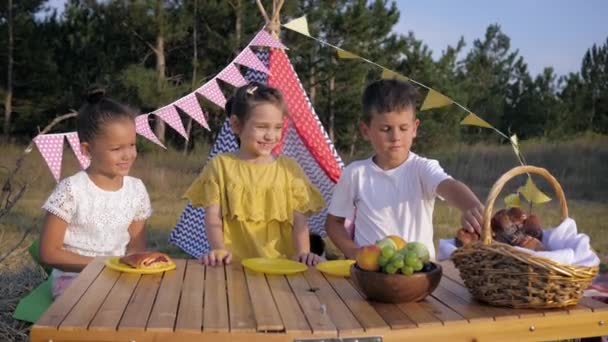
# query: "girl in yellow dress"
[[255, 202]]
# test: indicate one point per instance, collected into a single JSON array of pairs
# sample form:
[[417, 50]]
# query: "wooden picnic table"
[[194, 303]]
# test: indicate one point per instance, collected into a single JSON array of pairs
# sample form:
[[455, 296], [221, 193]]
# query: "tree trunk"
[[353, 141], [332, 112], [312, 81], [238, 25], [159, 127], [194, 68], [8, 100]]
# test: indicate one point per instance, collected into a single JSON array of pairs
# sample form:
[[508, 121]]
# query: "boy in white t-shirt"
[[393, 192]]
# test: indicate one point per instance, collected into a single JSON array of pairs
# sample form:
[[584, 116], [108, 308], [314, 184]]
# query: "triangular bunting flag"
[[474, 120], [250, 60], [189, 104], [513, 200], [515, 144], [343, 54], [263, 38], [51, 149], [389, 74], [211, 91], [299, 25], [532, 193], [74, 142], [169, 115], [142, 127], [435, 99], [232, 75]]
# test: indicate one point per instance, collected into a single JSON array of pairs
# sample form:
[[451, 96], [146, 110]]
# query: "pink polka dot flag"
[[142, 127], [264, 38], [189, 104], [169, 115], [211, 90], [250, 60], [51, 149], [75, 145], [232, 75]]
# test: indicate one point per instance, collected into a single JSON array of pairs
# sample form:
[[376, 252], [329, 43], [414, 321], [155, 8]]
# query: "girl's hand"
[[472, 219], [216, 257], [308, 258]]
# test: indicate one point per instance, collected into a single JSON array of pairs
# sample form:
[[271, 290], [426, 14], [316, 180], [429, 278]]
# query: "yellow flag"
[[346, 54], [513, 200], [532, 193], [299, 25], [474, 120], [515, 144], [390, 74], [435, 99]]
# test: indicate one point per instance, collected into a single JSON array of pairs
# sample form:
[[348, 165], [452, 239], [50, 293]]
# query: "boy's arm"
[[458, 195], [51, 246], [334, 226], [137, 233]]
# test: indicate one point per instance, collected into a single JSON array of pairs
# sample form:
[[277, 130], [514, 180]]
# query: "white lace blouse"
[[98, 220]]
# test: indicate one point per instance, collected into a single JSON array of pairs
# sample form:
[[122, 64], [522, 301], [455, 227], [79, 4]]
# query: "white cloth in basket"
[[563, 243]]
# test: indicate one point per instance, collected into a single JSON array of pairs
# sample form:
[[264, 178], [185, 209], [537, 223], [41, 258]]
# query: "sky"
[[553, 33]]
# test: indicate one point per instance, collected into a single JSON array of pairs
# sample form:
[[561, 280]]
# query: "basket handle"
[[486, 233]]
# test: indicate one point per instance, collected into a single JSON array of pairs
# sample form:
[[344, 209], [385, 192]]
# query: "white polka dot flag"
[[51, 149], [211, 90], [264, 38], [232, 75], [75, 145], [169, 115], [142, 127], [189, 104], [250, 60]]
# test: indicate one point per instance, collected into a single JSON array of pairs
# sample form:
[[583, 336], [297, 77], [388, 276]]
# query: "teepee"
[[304, 139]]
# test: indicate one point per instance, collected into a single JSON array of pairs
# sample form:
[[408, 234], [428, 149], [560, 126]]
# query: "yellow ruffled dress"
[[257, 202]]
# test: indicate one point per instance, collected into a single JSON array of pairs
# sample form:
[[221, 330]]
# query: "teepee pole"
[[273, 24]]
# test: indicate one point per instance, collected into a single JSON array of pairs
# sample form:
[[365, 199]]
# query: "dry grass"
[[579, 165]]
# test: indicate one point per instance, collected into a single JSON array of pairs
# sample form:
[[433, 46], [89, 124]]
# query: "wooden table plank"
[[265, 311], [113, 307], [336, 309], [63, 304], [361, 308], [470, 311], [315, 312], [418, 314], [293, 317], [239, 303], [83, 312], [190, 313], [138, 310], [394, 316], [593, 304], [215, 306], [164, 311]]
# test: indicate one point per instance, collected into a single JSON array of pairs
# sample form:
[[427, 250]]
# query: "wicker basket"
[[501, 275]]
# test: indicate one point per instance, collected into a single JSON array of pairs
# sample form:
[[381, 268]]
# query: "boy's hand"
[[216, 257], [472, 219], [308, 258]]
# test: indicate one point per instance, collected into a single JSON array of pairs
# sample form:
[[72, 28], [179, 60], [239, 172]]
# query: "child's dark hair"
[[98, 111], [388, 95], [254, 94]]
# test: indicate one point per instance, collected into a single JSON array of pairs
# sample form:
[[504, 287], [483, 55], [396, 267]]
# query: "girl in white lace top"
[[100, 211]]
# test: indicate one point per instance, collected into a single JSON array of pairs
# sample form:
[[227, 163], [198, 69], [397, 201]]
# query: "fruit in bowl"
[[386, 273]]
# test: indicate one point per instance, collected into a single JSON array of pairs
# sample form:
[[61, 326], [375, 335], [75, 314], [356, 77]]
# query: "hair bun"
[[95, 95]]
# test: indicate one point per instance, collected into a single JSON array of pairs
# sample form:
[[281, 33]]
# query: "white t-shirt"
[[98, 220], [399, 201]]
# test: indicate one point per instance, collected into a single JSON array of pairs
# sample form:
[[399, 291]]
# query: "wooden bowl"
[[396, 288]]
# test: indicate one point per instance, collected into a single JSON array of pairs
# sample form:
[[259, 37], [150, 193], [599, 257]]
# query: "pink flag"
[[232, 75], [75, 145], [169, 115], [211, 90], [250, 60], [264, 38], [142, 127], [51, 149], [189, 104]]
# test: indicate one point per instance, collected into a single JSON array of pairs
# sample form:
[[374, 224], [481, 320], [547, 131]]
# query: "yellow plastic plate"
[[274, 266], [115, 264], [340, 268]]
